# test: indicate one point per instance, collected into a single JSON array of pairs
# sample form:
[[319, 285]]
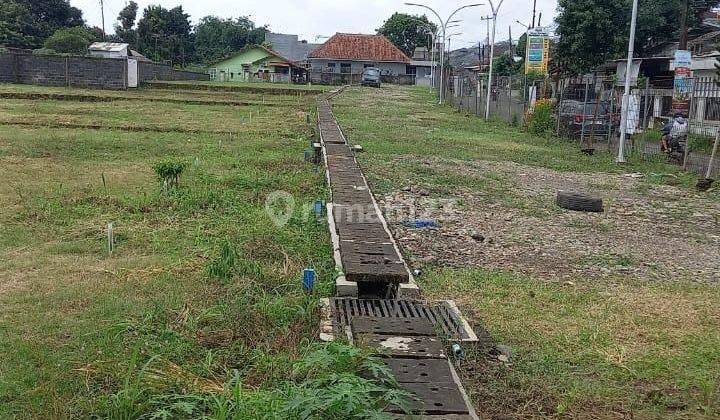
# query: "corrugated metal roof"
[[361, 48], [107, 46]]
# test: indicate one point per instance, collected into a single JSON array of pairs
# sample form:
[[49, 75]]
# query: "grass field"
[[267, 96], [585, 343], [200, 309], [239, 86]]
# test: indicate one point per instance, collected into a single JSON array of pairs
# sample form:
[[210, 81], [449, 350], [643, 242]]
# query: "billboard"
[[538, 51]]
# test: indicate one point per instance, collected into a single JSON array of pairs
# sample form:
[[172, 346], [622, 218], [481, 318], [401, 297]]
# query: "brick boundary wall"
[[153, 71], [79, 71]]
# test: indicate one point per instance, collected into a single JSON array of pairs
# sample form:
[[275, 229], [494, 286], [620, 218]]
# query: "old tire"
[[579, 202]]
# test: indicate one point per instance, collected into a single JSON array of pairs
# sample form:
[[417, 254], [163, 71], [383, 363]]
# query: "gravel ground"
[[648, 231]]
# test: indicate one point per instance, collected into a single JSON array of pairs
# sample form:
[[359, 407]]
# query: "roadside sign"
[[538, 51], [683, 85]]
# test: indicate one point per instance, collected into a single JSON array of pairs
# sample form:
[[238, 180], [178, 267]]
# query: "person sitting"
[[676, 127]]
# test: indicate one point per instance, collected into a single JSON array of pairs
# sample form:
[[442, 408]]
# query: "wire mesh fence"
[[587, 110]]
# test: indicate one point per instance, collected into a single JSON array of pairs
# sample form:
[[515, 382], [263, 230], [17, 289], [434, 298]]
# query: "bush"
[[44, 51], [331, 381], [169, 171], [541, 121], [73, 40]]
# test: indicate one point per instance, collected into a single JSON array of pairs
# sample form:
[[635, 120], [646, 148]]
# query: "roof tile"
[[361, 48]]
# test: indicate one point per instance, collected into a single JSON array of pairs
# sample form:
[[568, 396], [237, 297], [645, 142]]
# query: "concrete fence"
[[80, 71], [325, 78]]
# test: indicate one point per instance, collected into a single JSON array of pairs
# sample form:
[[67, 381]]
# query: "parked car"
[[371, 77], [599, 115]]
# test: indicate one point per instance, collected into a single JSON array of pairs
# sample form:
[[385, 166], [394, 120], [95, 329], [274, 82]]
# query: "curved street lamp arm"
[[492, 6], [428, 8], [459, 9]]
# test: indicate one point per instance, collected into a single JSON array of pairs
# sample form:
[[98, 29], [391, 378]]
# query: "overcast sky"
[[310, 18]]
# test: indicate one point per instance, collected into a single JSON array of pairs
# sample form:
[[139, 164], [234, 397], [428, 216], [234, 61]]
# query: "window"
[[411, 70], [213, 73], [365, 66], [232, 75], [346, 68], [331, 66]]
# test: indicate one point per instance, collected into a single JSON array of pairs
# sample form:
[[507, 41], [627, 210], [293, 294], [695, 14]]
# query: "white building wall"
[[357, 67], [110, 54]]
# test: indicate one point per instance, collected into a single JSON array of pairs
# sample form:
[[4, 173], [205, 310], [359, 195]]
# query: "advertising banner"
[[683, 86]]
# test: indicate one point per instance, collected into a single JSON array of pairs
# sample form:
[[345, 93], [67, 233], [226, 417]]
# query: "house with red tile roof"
[[351, 53]]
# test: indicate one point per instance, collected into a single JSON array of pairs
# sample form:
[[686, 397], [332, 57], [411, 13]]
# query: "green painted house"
[[257, 63]]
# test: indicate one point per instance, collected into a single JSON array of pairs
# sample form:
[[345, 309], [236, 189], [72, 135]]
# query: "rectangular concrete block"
[[345, 288]]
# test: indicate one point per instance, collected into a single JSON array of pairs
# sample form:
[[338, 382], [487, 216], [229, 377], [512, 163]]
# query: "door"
[[132, 72]]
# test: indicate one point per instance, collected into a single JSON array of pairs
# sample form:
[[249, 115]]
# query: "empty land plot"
[[249, 87], [151, 116], [610, 315], [202, 289], [148, 94]]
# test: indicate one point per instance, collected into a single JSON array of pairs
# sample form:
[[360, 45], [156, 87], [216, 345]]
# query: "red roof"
[[360, 48]]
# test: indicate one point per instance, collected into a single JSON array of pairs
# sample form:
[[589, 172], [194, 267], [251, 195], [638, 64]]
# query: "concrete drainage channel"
[[377, 303]]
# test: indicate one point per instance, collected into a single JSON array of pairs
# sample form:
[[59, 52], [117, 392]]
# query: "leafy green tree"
[[28, 23], [217, 38], [165, 34], [505, 65], [408, 32], [16, 26], [593, 31], [73, 40], [125, 28]]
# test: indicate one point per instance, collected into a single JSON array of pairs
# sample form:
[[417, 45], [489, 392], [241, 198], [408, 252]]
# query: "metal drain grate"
[[443, 315]]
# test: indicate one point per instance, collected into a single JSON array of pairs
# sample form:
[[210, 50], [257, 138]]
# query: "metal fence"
[[587, 110]]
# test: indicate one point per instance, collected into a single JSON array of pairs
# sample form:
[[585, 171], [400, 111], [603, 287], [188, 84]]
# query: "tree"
[[73, 40], [505, 65], [217, 38], [124, 30], [164, 34], [408, 32], [28, 23], [16, 26], [585, 41]]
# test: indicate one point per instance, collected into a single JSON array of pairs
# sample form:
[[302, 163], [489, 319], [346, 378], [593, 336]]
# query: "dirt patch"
[[651, 232]]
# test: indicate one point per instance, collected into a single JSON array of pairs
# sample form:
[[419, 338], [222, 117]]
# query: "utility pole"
[[444, 26], [626, 95], [684, 25], [510, 49], [534, 10], [495, 11], [487, 20], [102, 16]]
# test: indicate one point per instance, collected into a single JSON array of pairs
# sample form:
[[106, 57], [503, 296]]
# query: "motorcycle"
[[675, 134]]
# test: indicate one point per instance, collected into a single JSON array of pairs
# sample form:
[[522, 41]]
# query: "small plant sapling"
[[169, 171]]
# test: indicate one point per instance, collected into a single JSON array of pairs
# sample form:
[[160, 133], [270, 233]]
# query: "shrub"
[[169, 171], [332, 381], [73, 40], [541, 121]]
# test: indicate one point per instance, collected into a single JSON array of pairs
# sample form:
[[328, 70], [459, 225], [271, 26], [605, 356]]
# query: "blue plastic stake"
[[319, 208], [309, 276]]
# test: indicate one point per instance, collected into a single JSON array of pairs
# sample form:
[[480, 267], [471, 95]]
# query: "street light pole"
[[495, 11], [626, 95], [444, 26]]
